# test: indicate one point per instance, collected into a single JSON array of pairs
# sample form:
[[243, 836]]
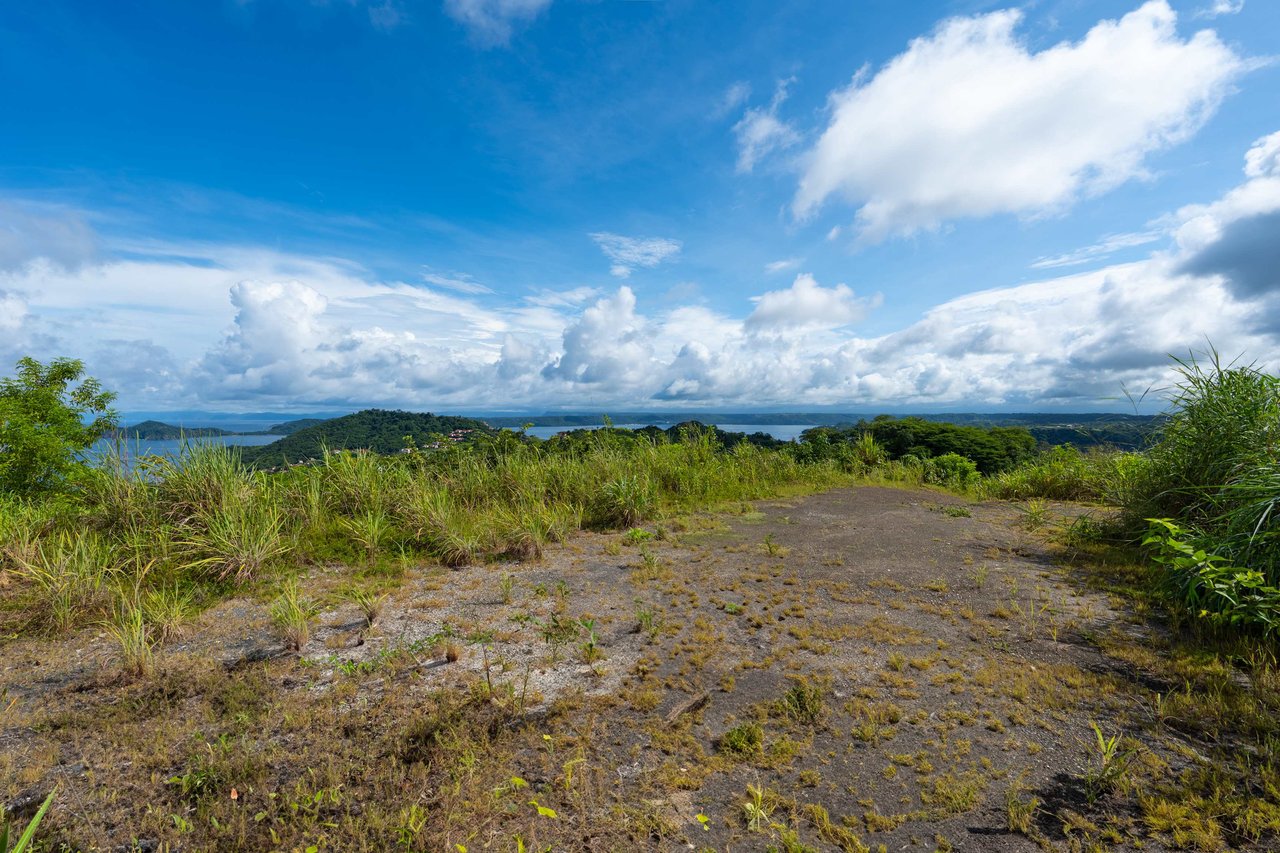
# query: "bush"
[[1216, 469], [952, 470], [47, 422]]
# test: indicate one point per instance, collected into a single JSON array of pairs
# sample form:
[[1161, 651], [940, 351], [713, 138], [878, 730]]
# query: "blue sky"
[[505, 204]]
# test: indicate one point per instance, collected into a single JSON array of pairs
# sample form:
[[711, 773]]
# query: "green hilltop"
[[377, 430]]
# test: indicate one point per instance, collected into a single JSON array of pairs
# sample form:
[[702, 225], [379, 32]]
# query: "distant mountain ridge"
[[158, 431]]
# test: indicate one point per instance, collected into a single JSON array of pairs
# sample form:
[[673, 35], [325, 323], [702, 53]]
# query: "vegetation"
[[991, 449], [49, 416], [374, 430], [158, 431]]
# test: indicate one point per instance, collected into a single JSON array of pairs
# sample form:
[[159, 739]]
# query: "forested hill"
[[290, 427], [158, 431], [372, 429]]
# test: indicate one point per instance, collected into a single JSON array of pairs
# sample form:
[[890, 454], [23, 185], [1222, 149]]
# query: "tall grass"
[[1204, 498], [166, 533], [70, 575]]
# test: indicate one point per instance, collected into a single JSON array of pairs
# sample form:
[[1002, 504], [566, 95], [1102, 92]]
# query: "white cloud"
[[1221, 7], [609, 344], [1108, 245], [562, 298], [733, 97], [627, 253], [760, 132], [807, 304], [459, 281], [13, 311], [1236, 239], [492, 22], [969, 122], [783, 265], [1263, 159], [29, 231]]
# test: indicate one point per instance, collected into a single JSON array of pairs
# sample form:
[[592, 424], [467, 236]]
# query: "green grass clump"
[[292, 613], [743, 741]]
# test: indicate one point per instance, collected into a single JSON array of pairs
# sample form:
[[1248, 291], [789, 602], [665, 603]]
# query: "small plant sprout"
[[754, 810], [370, 604], [646, 621], [590, 645], [1035, 514], [636, 535], [703, 821], [556, 631], [544, 811], [506, 587], [772, 548], [1110, 767]]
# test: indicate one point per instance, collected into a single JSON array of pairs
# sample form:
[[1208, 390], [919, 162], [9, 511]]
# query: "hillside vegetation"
[[375, 430], [159, 431]]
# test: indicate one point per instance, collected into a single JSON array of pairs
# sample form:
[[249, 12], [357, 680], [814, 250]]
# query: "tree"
[[49, 416]]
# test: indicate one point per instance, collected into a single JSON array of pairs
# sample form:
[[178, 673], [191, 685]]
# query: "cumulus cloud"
[[760, 132], [807, 304], [627, 253], [608, 344], [970, 122], [492, 22], [1238, 237], [250, 328]]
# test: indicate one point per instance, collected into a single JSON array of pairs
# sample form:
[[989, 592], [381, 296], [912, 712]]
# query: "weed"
[[647, 621], [772, 548], [590, 645], [802, 703], [370, 604], [1035, 514], [743, 741], [369, 528], [24, 842], [635, 536], [1110, 766], [133, 639], [292, 614], [167, 610], [1020, 812], [506, 587], [755, 811]]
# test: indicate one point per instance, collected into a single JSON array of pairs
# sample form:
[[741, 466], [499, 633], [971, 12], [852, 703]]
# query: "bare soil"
[[922, 672]]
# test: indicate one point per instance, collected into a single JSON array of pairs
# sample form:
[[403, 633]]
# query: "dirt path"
[[863, 668]]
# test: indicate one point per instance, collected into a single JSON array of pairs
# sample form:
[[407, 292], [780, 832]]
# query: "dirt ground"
[[868, 668]]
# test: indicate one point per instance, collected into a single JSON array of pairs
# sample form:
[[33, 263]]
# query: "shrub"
[[47, 422], [952, 470]]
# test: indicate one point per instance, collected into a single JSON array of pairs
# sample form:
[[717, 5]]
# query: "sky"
[[482, 205]]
